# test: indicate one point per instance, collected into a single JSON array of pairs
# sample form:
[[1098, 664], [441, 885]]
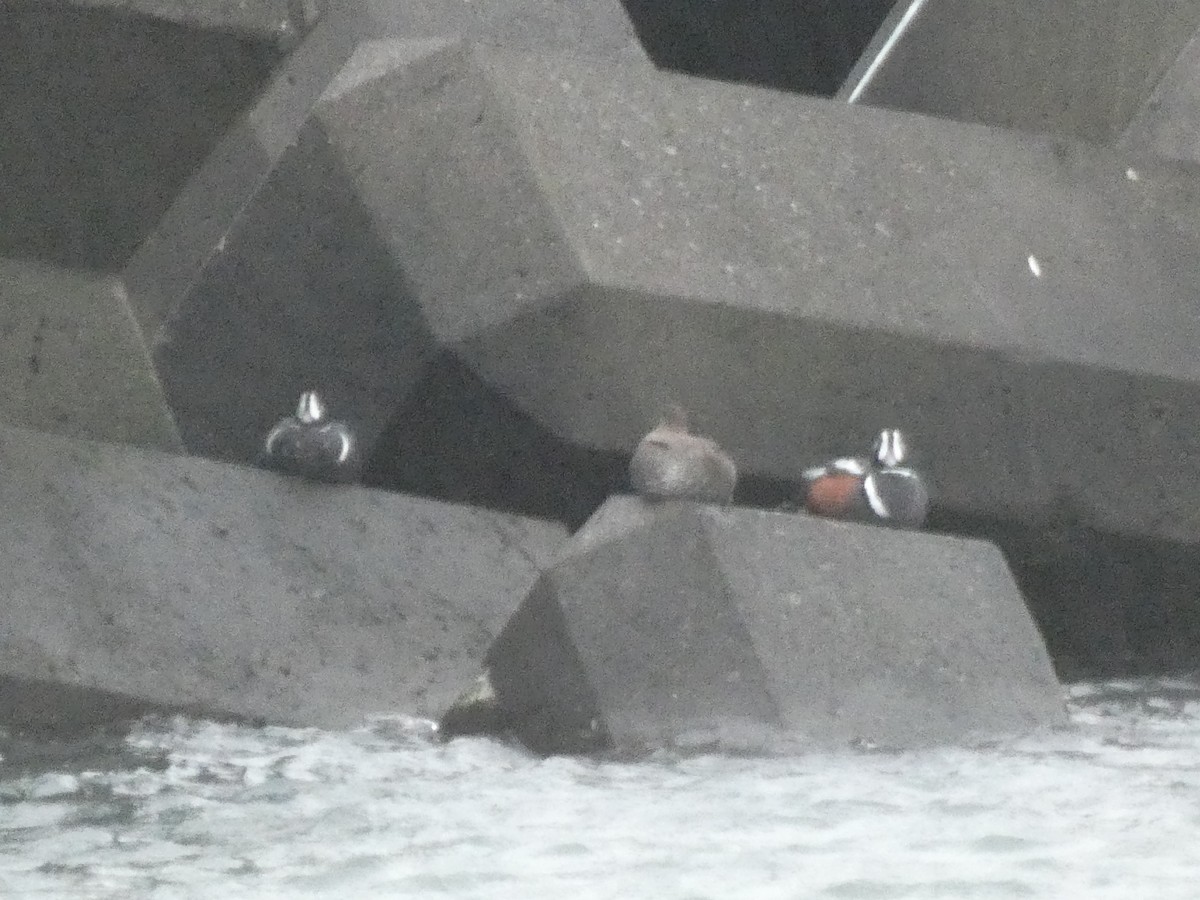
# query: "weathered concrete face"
[[1057, 66], [72, 360], [188, 584], [687, 624]]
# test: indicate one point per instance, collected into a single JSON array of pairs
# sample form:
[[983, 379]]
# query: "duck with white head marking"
[[671, 463], [880, 488], [311, 445]]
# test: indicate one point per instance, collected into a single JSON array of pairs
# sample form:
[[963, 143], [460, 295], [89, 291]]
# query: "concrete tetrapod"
[[694, 626], [136, 580]]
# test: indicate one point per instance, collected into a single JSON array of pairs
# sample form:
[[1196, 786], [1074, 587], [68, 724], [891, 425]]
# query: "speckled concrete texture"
[[736, 629], [223, 590]]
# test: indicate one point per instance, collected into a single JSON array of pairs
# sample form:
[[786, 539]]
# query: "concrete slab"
[[72, 360], [727, 628], [138, 579], [1079, 70]]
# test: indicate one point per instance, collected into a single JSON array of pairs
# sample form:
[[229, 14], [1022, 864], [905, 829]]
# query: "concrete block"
[[274, 248], [266, 278], [187, 584], [1080, 70], [602, 241], [106, 115], [72, 359], [683, 624], [455, 438]]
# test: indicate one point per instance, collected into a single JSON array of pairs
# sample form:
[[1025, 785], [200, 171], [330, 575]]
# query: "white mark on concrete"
[[670, 151], [882, 229], [1034, 266], [1132, 174]]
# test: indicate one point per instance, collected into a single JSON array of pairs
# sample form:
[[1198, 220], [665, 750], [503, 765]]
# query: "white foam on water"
[[196, 809]]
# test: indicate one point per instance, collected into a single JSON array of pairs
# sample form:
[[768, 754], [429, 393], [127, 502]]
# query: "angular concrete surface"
[[72, 360], [136, 579], [729, 628], [270, 246], [1081, 70], [601, 240]]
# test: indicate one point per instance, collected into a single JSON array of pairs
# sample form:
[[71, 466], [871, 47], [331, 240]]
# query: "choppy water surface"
[[194, 809]]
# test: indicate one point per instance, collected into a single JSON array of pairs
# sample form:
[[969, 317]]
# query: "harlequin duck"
[[671, 463], [879, 489], [311, 445]]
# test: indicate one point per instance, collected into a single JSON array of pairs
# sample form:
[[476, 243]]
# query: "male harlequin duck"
[[879, 489], [671, 463], [311, 445]]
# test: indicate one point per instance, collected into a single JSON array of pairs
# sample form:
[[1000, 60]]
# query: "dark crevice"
[[807, 46], [1107, 604], [459, 440]]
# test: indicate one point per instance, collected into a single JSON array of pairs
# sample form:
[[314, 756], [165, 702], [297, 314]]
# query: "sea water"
[[185, 808]]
